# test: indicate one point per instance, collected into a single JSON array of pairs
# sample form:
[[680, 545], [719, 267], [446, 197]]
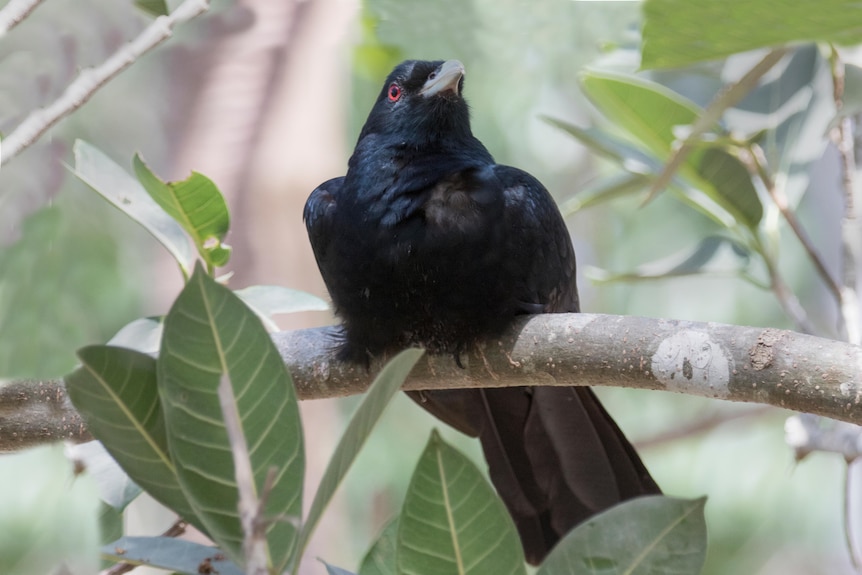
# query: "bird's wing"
[[319, 217], [539, 244]]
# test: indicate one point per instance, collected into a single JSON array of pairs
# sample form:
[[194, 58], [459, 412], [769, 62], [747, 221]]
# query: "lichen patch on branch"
[[687, 359]]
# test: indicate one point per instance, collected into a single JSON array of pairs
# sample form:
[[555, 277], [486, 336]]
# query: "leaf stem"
[[727, 97], [755, 159]]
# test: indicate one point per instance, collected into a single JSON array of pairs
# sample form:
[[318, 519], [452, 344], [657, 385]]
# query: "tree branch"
[[761, 365], [90, 80], [14, 12]]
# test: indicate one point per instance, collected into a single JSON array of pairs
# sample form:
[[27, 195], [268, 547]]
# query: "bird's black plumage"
[[427, 241]]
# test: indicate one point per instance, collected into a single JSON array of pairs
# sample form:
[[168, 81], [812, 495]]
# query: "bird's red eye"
[[394, 92]]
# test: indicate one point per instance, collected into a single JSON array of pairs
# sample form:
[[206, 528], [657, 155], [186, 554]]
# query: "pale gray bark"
[[761, 365]]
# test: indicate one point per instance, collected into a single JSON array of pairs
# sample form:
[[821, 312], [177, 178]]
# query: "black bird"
[[428, 242]]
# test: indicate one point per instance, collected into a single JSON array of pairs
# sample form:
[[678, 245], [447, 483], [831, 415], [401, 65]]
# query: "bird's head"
[[421, 101]]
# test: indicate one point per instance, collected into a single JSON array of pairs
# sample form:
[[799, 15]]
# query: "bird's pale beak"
[[445, 78]]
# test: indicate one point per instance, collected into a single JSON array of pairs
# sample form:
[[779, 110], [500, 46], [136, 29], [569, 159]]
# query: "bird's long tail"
[[554, 454]]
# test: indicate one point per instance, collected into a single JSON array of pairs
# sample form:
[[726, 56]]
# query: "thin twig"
[[14, 12], [178, 528], [250, 508], [90, 80], [787, 299], [842, 136], [700, 426], [755, 160], [727, 97]]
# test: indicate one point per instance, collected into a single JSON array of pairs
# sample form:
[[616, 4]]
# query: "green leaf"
[[646, 110], [731, 180], [380, 559], [208, 332], [381, 392], [691, 260], [115, 390], [652, 535], [452, 521], [652, 114], [680, 32], [267, 301], [197, 204], [114, 184], [153, 7], [169, 553]]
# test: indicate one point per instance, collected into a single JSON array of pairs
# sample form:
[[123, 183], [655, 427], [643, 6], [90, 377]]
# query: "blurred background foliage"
[[267, 98]]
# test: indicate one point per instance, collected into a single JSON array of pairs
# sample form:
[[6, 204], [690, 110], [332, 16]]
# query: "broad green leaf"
[[49, 521], [169, 553], [679, 33], [647, 110], [653, 535], [153, 7], [701, 258], [208, 332], [380, 559], [267, 301], [452, 521], [116, 488], [652, 114], [732, 181], [197, 204], [114, 184], [378, 396], [115, 390]]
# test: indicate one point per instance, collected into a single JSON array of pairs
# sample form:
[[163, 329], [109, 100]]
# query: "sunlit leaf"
[[99, 172], [647, 110], [679, 33], [197, 205], [653, 115], [208, 332], [652, 535], [153, 7], [452, 520]]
